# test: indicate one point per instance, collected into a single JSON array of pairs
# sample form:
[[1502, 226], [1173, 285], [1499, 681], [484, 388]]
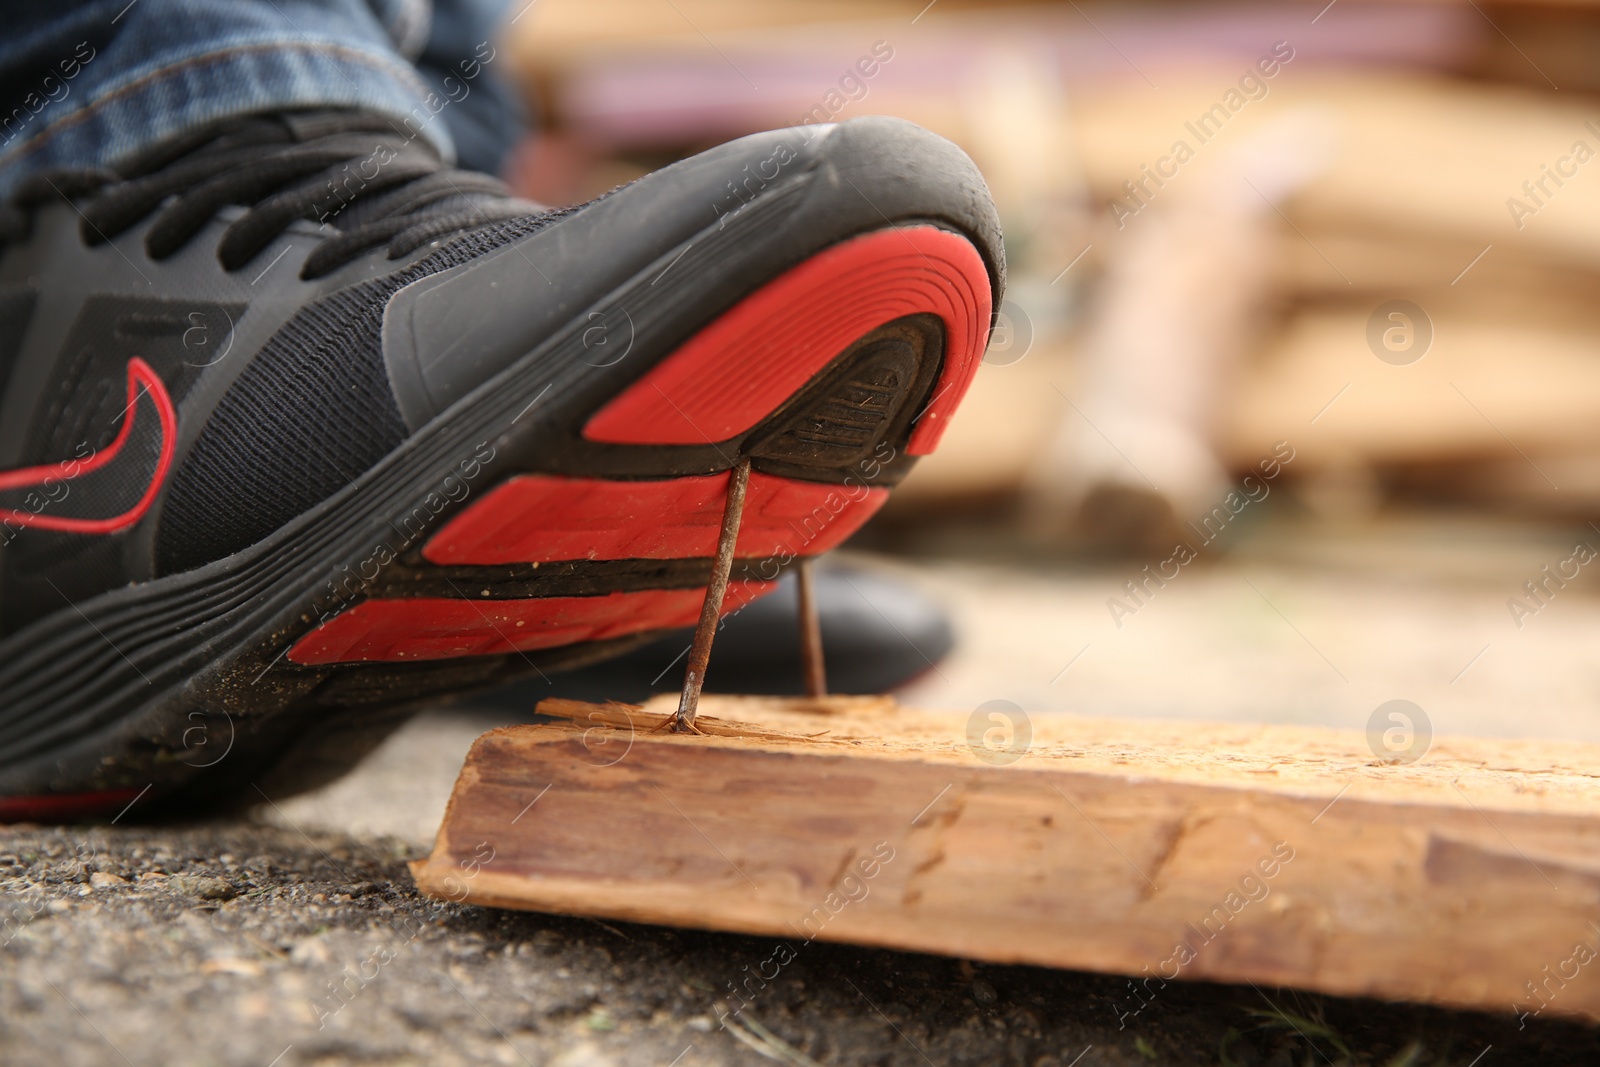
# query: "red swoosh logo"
[[142, 381]]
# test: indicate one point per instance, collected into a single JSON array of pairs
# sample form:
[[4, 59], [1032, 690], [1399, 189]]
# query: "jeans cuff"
[[152, 106]]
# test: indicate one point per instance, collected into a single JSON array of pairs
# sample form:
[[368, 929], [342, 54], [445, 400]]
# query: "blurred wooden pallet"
[[1239, 853], [1414, 157], [1412, 205], [1495, 391], [1486, 381]]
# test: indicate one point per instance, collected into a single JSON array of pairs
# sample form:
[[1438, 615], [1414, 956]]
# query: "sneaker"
[[301, 428]]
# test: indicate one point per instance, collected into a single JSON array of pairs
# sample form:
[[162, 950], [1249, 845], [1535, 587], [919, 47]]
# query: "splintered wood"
[[1161, 850]]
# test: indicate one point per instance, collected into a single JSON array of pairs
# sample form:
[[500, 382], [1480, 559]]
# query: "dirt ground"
[[294, 936]]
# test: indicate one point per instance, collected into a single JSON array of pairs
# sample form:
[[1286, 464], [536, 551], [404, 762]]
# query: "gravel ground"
[[294, 936], [242, 944]]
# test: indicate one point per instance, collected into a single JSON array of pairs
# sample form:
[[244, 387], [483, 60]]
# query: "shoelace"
[[355, 172]]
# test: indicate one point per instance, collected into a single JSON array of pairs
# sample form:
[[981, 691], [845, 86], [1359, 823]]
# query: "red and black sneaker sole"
[[833, 320], [544, 521]]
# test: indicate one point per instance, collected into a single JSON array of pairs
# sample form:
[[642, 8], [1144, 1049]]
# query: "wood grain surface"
[[1166, 851]]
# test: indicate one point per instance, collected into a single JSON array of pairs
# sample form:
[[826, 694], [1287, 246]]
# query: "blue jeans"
[[87, 83]]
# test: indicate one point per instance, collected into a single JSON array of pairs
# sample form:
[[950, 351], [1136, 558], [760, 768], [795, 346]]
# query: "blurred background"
[[1291, 410]]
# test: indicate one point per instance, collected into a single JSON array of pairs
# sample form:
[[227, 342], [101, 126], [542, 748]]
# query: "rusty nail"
[[811, 659], [711, 609]]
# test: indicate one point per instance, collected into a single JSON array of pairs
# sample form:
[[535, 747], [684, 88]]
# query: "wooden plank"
[[1162, 850]]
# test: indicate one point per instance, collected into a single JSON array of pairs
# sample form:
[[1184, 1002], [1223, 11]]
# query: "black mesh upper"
[[312, 413]]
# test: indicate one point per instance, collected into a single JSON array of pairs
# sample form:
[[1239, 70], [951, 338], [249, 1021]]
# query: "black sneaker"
[[299, 427]]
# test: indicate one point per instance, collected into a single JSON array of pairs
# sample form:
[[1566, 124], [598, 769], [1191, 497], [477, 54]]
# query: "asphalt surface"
[[242, 944], [292, 934]]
